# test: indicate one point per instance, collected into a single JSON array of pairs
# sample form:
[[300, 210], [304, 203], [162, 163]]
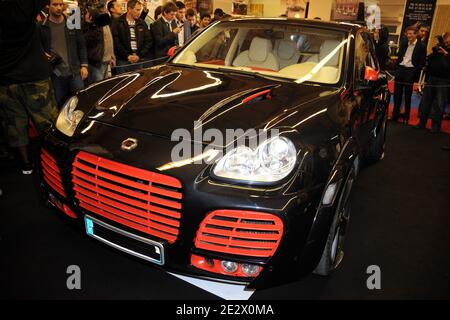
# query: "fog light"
[[229, 266], [250, 269]]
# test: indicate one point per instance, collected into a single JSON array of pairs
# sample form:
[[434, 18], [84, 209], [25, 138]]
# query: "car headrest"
[[259, 49], [286, 49], [188, 57], [325, 49]]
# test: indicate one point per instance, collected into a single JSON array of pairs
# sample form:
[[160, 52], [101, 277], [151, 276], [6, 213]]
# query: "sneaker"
[[27, 168]]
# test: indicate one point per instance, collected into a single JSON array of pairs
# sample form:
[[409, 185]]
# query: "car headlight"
[[272, 161], [69, 118]]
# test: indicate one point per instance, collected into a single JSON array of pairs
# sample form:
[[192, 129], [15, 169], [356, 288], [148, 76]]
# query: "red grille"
[[143, 200], [245, 233], [51, 173]]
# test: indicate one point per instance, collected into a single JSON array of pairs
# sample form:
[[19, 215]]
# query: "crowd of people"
[[414, 66], [45, 60], [48, 55], [111, 41]]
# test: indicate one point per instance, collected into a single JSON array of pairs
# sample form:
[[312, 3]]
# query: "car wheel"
[[333, 252], [377, 147]]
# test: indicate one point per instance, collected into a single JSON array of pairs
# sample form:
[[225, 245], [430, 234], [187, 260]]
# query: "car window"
[[364, 56], [217, 47], [372, 53], [288, 51]]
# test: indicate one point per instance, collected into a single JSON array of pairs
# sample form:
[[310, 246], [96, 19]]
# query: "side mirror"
[[171, 51], [370, 74]]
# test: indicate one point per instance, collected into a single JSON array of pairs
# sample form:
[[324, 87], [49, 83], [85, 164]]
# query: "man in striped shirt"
[[132, 39]]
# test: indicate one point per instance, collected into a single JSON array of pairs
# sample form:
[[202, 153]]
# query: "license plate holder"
[[122, 240]]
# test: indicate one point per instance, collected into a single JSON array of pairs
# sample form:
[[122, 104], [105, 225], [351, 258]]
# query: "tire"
[[333, 253]]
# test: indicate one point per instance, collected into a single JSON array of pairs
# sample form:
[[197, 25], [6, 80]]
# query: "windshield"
[[270, 48]]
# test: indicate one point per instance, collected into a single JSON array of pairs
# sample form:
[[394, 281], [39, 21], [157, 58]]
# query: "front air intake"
[[139, 199], [51, 173], [237, 232]]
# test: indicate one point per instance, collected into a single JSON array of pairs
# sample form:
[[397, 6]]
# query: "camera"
[[439, 45], [100, 18], [54, 60]]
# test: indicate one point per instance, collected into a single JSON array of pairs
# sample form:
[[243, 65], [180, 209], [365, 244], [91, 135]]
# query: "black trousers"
[[404, 81], [434, 100]]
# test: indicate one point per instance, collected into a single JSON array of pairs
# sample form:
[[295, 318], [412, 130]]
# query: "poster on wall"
[[345, 10], [240, 7], [296, 8], [419, 12], [372, 14], [191, 4], [123, 4], [152, 5], [205, 6]]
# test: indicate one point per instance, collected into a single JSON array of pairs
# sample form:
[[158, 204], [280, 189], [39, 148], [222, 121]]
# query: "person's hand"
[[133, 58], [177, 30], [84, 73], [443, 51], [112, 63], [49, 56], [88, 18]]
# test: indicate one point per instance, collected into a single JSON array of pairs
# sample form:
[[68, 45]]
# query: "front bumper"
[[201, 196]]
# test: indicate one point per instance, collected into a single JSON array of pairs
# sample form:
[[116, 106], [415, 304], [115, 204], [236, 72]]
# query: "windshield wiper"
[[235, 71], [185, 65], [254, 74], [246, 72]]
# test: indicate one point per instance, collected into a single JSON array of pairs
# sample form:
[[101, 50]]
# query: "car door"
[[364, 90]]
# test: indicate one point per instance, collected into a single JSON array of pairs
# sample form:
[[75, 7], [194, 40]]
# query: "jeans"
[[98, 72], [65, 87], [434, 100]]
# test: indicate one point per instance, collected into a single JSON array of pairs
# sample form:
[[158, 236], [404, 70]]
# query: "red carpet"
[[415, 101], [414, 119]]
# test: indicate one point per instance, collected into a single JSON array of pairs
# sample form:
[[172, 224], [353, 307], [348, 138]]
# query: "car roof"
[[344, 26]]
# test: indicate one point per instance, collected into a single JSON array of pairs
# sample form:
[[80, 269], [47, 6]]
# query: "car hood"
[[163, 99]]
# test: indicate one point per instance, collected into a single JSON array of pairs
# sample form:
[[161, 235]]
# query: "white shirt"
[[407, 59], [181, 33]]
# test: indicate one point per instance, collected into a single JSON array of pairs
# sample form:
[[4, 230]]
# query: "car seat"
[[259, 56]]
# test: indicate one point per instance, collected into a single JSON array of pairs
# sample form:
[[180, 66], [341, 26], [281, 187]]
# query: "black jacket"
[[21, 56], [94, 44], [94, 36], [418, 57], [163, 37], [439, 65], [76, 46], [121, 35]]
